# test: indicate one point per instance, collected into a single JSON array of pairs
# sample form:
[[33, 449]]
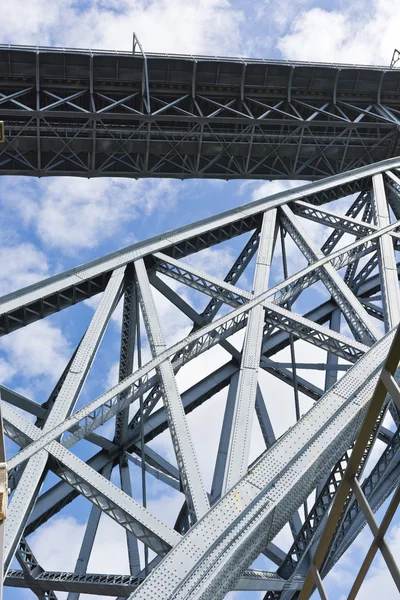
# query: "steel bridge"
[[221, 530], [98, 114], [91, 113]]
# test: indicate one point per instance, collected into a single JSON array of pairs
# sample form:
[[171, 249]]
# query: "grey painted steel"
[[238, 448], [131, 541], [59, 494], [8, 395], [36, 301], [186, 458], [101, 492], [351, 307], [94, 414], [95, 113], [387, 259], [349, 485], [377, 487], [88, 539], [112, 585], [222, 454], [248, 507], [128, 333], [31, 570], [387, 267], [259, 504], [157, 473], [31, 479]]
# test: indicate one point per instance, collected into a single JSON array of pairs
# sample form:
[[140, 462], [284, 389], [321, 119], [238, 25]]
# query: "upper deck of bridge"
[[215, 74]]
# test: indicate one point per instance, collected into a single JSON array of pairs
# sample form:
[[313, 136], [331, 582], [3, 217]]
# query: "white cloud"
[[21, 265], [349, 34], [74, 214], [38, 353], [282, 14], [210, 26], [215, 261], [52, 554], [112, 376], [268, 188], [7, 371]]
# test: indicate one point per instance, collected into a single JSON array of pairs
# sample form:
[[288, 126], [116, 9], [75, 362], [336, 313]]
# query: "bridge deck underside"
[[95, 114]]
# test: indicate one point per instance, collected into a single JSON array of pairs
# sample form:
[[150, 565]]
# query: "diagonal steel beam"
[[358, 319], [31, 479], [89, 536], [61, 494], [262, 501], [190, 473], [32, 570], [105, 495], [238, 447], [327, 217], [103, 408]]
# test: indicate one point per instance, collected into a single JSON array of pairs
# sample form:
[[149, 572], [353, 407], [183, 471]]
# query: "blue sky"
[[53, 224]]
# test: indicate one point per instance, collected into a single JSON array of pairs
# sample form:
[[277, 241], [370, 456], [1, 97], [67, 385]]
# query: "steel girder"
[[96, 113], [114, 585], [59, 292], [350, 485], [226, 527]]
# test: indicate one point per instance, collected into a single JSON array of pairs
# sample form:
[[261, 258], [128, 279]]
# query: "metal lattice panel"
[[222, 528], [96, 113]]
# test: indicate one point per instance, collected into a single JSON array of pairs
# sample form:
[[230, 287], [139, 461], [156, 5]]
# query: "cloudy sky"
[[42, 220]]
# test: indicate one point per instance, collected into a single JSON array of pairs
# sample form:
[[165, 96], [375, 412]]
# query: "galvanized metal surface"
[[94, 113], [221, 530]]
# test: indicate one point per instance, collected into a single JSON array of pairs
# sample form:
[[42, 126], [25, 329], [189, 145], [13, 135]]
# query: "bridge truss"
[[341, 298], [98, 114]]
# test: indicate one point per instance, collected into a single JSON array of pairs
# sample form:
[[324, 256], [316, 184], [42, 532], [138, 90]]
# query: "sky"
[[50, 225]]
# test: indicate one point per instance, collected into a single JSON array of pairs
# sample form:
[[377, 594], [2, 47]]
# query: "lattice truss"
[[97, 113], [314, 288]]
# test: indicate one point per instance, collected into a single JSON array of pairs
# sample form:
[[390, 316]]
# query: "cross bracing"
[[330, 288], [95, 113]]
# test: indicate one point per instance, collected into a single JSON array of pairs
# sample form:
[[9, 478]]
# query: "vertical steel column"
[[387, 266], [187, 461], [131, 541], [295, 522], [142, 440], [220, 463], [386, 255], [292, 352], [331, 376], [127, 351], [128, 333], [242, 419], [332, 359], [89, 538]]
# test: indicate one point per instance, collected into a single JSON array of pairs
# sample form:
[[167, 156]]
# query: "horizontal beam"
[[97, 114], [61, 291], [122, 585]]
